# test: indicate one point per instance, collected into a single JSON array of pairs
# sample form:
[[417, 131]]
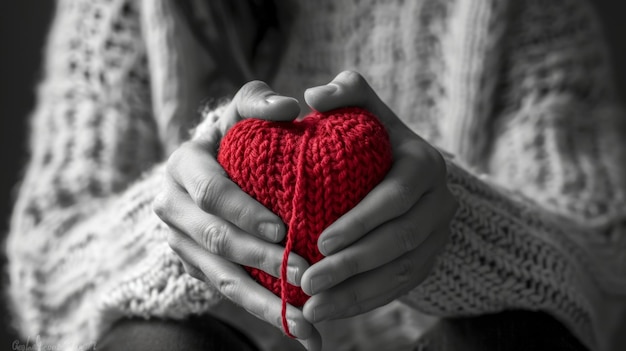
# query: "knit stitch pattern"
[[309, 173], [520, 92]]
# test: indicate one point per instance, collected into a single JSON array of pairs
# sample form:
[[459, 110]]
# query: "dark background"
[[23, 26]]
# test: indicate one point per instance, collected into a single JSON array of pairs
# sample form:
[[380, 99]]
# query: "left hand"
[[387, 244]]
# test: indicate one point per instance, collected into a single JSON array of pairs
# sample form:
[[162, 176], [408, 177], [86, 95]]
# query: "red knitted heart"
[[308, 172]]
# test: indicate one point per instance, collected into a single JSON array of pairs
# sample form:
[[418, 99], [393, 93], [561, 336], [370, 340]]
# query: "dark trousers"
[[507, 331], [193, 334]]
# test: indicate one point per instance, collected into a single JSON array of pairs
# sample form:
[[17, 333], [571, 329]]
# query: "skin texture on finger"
[[394, 196], [191, 170], [236, 285], [379, 247], [222, 238], [375, 288]]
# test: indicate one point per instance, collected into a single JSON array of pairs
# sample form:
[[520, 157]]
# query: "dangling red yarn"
[[309, 173]]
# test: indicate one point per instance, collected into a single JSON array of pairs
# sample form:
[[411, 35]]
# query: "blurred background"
[[23, 26]]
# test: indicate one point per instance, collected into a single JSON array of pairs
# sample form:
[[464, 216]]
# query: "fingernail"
[[331, 245], [320, 283], [269, 230], [292, 275], [322, 312], [292, 326], [274, 99]]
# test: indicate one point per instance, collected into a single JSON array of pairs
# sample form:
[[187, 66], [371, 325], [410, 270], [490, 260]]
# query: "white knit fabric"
[[519, 91]]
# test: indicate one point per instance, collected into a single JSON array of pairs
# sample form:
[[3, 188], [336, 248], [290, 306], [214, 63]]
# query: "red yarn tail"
[[283, 283], [298, 198]]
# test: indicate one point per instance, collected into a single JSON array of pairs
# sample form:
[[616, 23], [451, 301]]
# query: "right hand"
[[216, 227]]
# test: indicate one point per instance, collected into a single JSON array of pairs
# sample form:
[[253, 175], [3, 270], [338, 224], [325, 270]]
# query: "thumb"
[[257, 100]]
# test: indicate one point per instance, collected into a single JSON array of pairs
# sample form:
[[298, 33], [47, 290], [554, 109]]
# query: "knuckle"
[[215, 238], [405, 238], [251, 90], [243, 213], [349, 265], [258, 259], [253, 86], [430, 159], [400, 194], [404, 270], [360, 223], [206, 192], [352, 79], [228, 287]]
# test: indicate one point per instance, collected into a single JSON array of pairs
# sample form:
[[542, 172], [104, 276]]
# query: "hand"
[[387, 244], [216, 227]]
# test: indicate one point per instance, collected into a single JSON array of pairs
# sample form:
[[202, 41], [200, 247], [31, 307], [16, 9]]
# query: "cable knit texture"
[[520, 92], [309, 173]]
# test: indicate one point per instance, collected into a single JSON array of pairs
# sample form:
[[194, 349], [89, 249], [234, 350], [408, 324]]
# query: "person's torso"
[[394, 44]]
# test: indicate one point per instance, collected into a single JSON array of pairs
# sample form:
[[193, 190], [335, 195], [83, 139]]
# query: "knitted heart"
[[309, 172]]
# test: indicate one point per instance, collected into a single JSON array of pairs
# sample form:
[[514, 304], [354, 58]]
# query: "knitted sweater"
[[519, 92]]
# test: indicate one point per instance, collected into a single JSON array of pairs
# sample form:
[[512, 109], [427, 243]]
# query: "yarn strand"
[[298, 194], [283, 283]]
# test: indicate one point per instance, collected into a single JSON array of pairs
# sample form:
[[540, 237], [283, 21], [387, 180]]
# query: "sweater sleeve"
[[508, 252], [85, 247], [542, 226]]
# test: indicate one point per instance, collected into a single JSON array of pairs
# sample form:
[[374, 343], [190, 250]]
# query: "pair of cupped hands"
[[375, 253]]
